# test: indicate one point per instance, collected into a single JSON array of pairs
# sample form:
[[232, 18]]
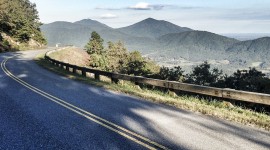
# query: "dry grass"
[[212, 107], [72, 55]]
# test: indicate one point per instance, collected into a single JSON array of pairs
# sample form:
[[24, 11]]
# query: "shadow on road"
[[171, 127]]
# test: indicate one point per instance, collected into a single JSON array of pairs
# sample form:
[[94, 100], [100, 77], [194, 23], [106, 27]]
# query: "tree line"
[[19, 19], [116, 58]]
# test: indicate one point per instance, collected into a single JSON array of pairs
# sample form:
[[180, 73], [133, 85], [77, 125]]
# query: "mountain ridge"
[[93, 23], [185, 48], [153, 28]]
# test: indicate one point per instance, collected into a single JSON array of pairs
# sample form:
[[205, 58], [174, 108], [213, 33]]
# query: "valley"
[[169, 44]]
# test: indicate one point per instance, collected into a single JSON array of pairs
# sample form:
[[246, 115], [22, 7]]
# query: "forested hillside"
[[19, 25]]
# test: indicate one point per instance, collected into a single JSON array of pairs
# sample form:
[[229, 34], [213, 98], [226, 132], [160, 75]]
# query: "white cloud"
[[108, 16], [141, 6], [147, 6]]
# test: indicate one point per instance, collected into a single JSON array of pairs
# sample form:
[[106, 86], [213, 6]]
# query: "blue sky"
[[219, 16]]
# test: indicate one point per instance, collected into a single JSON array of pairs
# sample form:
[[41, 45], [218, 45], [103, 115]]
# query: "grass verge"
[[211, 107]]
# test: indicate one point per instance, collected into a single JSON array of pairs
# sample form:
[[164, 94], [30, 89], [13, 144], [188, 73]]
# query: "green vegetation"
[[116, 58], [212, 107], [172, 74], [202, 75], [246, 80], [95, 45], [19, 20]]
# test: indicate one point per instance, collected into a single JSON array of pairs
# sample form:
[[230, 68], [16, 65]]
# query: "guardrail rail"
[[252, 97]]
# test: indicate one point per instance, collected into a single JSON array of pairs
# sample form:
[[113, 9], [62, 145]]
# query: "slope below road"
[[30, 120]]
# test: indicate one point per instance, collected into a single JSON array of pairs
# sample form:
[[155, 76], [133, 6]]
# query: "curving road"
[[42, 110]]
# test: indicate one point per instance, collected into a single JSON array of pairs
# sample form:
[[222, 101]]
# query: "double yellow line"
[[147, 143]]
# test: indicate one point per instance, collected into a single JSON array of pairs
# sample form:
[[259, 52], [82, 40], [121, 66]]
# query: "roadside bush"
[[6, 43], [172, 74], [248, 80], [202, 75]]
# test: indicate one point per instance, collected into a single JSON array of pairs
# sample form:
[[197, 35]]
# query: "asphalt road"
[[42, 110]]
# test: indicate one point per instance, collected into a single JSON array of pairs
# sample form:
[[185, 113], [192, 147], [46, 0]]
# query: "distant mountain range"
[[152, 28], [168, 44]]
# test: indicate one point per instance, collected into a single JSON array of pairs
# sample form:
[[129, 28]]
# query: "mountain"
[[168, 44], [152, 28], [78, 34], [197, 39], [93, 24], [194, 45], [253, 53], [260, 45], [66, 33]]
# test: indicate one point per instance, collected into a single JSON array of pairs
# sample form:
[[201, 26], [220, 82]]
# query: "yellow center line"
[[113, 127]]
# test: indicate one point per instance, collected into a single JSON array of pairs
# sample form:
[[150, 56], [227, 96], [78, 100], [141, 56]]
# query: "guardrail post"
[[67, 68], [97, 76], [114, 80], [83, 73], [74, 70]]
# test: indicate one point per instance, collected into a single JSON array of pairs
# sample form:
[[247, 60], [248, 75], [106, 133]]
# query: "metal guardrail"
[[173, 85]]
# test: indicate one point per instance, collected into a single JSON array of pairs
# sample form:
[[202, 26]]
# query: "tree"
[[95, 44], [137, 65], [117, 56], [248, 80], [19, 19], [96, 51], [202, 75], [172, 74], [98, 61]]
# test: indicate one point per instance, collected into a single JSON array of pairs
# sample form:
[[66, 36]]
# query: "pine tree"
[[117, 56], [96, 51], [95, 44]]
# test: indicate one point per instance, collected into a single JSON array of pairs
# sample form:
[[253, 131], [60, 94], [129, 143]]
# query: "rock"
[[138, 87]]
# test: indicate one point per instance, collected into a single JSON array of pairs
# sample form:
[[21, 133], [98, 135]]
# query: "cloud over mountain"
[[140, 6], [146, 6], [108, 16]]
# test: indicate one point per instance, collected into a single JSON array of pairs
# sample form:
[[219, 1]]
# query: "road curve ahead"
[[42, 110]]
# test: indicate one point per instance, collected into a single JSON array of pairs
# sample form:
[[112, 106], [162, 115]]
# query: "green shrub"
[[6, 43]]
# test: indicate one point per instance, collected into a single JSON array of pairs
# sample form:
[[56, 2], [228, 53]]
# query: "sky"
[[218, 16]]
